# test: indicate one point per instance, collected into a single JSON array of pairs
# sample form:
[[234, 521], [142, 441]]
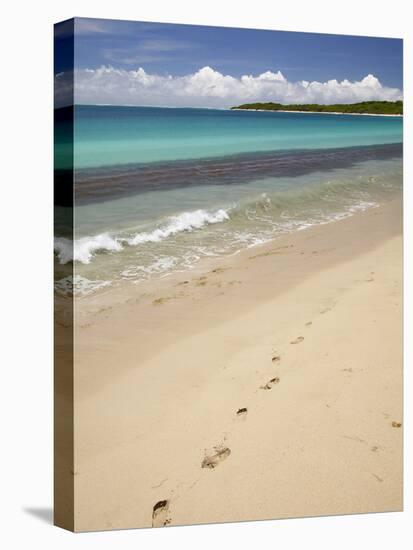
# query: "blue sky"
[[136, 63], [182, 49]]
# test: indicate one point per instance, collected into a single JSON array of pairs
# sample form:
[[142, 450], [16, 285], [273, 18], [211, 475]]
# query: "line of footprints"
[[160, 513]]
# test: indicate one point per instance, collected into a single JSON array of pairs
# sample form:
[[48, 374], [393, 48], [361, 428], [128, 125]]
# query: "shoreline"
[[158, 287], [288, 357], [316, 112]]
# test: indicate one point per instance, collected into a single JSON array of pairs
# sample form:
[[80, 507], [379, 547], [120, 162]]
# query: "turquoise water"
[[157, 190], [107, 136]]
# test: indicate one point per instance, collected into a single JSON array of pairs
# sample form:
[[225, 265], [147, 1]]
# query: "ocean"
[[158, 189]]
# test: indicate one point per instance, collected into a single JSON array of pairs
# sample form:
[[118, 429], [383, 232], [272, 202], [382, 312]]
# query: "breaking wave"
[[187, 221], [83, 249], [178, 241]]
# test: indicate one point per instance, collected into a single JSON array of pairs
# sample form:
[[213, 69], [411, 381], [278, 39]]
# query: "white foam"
[[187, 221], [83, 249], [163, 264], [78, 285]]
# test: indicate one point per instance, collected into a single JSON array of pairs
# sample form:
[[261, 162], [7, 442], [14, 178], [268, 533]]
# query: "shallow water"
[[137, 219]]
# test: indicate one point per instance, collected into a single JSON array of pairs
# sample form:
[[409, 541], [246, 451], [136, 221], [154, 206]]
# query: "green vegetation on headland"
[[364, 107]]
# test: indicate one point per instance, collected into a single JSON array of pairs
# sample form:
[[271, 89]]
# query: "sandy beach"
[[263, 385], [316, 112]]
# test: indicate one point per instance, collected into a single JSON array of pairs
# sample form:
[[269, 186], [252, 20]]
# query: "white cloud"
[[210, 88]]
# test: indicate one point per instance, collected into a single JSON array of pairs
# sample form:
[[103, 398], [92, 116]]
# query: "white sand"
[[305, 333]]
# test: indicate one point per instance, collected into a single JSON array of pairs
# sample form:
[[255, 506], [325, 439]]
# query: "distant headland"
[[362, 108]]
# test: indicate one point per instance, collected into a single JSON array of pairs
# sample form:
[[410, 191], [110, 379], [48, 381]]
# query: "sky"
[[126, 62]]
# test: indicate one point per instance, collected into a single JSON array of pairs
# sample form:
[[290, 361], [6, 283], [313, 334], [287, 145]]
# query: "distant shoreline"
[[315, 112], [224, 109], [370, 108]]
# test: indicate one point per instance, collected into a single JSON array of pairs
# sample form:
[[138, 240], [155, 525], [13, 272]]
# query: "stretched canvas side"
[[63, 275]]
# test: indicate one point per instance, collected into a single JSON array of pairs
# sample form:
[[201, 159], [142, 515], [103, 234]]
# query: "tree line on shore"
[[363, 107]]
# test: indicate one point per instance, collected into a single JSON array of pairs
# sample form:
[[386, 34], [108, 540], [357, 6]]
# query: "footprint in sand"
[[297, 340], [379, 479], [160, 514], [202, 281], [270, 384], [242, 413], [212, 461], [309, 324], [276, 358], [160, 301], [396, 424]]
